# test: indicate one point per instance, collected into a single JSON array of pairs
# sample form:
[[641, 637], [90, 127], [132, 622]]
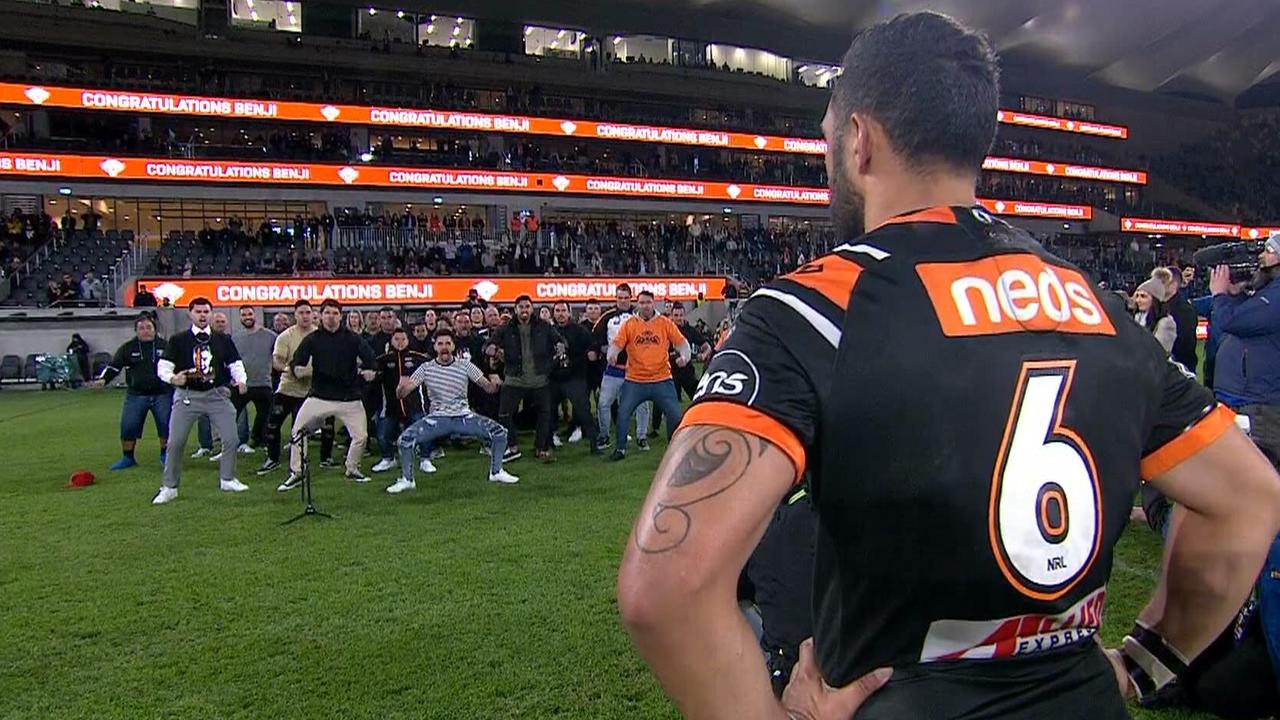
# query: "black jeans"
[[287, 406], [540, 399], [261, 399], [575, 391]]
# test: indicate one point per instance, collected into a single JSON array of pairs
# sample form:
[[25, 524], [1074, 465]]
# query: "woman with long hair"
[[1152, 312]]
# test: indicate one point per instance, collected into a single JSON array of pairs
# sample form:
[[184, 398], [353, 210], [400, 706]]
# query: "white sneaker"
[[575, 436], [385, 464], [504, 477], [244, 449], [400, 485], [232, 485], [427, 466], [556, 441], [291, 482], [165, 495], [215, 458], [484, 451], [200, 452]]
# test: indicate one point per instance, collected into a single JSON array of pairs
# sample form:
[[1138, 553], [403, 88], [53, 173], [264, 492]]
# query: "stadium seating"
[[10, 368], [82, 252]]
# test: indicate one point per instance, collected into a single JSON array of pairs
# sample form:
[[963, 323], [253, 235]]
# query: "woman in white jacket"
[[1153, 314]]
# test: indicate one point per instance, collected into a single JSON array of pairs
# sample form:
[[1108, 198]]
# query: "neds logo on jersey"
[[1012, 293], [730, 375]]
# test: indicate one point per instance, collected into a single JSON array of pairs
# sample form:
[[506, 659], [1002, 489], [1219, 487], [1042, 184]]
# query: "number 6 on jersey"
[[1045, 516]]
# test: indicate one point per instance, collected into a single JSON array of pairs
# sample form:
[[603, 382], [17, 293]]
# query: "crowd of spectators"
[[20, 234], [1234, 169]]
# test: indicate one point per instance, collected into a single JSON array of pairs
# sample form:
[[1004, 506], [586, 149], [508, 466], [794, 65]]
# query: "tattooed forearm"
[[703, 463]]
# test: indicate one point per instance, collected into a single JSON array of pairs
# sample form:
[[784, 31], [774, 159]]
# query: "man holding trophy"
[[202, 366]]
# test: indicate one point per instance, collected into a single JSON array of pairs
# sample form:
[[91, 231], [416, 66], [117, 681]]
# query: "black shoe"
[[511, 454], [290, 483], [357, 477], [602, 443], [617, 455], [643, 444], [268, 467], [329, 463]]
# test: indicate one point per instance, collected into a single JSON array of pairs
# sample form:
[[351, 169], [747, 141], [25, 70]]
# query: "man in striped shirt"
[[446, 380]]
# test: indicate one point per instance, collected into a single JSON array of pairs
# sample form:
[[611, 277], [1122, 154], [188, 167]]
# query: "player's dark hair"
[[558, 302], [246, 307], [302, 303], [931, 82], [523, 298], [387, 308], [398, 331], [331, 303], [644, 293], [592, 301], [444, 332], [623, 286], [198, 301], [677, 305], [143, 317]]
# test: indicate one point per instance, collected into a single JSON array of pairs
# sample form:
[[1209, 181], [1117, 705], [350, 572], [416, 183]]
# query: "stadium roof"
[[1215, 48]]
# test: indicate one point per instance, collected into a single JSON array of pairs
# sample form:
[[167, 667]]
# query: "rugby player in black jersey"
[[976, 418]]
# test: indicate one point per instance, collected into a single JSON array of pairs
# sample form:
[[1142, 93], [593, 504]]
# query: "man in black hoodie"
[[529, 346], [137, 359], [337, 358], [1186, 319]]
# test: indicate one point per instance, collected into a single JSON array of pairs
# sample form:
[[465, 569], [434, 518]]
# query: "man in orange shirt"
[[647, 339]]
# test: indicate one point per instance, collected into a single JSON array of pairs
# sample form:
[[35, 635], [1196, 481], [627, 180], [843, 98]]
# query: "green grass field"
[[461, 600]]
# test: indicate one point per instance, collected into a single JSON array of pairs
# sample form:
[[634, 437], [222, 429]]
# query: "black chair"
[[11, 368], [29, 368]]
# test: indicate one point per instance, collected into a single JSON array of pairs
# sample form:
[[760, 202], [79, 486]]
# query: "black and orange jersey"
[[975, 417], [392, 367]]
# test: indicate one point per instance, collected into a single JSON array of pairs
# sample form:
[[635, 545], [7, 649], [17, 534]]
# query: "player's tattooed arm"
[[702, 463]]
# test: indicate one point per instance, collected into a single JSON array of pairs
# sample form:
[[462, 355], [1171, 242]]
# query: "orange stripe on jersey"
[[1196, 438], [1012, 293], [831, 276], [943, 215], [749, 420]]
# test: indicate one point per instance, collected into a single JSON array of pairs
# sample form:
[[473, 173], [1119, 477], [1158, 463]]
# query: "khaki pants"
[[314, 411]]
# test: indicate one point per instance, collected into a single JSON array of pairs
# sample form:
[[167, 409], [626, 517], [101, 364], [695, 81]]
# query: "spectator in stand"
[[163, 266], [91, 288], [54, 291], [143, 298], [1153, 313], [68, 289], [1184, 317]]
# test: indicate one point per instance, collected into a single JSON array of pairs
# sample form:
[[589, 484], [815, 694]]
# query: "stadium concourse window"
[[818, 75], [749, 60], [1057, 108], [640, 48], [183, 11], [267, 15], [553, 42], [438, 30]]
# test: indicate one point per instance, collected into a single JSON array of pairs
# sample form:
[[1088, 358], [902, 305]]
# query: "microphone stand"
[[308, 507]]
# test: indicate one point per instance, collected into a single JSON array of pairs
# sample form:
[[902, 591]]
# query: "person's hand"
[[1122, 677], [242, 388], [592, 355], [808, 697], [1220, 281], [681, 361], [302, 371], [495, 381], [180, 378], [368, 375]]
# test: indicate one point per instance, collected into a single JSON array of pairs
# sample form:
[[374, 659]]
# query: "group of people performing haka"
[[471, 374]]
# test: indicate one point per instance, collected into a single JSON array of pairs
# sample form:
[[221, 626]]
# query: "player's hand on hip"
[[809, 697], [180, 378], [242, 388], [368, 375]]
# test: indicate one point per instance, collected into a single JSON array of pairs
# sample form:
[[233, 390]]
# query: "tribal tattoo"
[[702, 463]]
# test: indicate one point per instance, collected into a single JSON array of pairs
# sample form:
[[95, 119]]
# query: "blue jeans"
[[389, 429], [431, 428], [134, 415], [664, 398]]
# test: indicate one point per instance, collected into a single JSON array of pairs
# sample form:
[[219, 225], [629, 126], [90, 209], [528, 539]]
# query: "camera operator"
[[400, 412], [147, 393], [569, 376], [332, 352], [1247, 367]]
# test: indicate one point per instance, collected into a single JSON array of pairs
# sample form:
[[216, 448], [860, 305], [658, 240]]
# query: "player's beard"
[[847, 203]]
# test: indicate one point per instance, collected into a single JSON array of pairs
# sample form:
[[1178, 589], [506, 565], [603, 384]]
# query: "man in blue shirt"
[[1247, 367]]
